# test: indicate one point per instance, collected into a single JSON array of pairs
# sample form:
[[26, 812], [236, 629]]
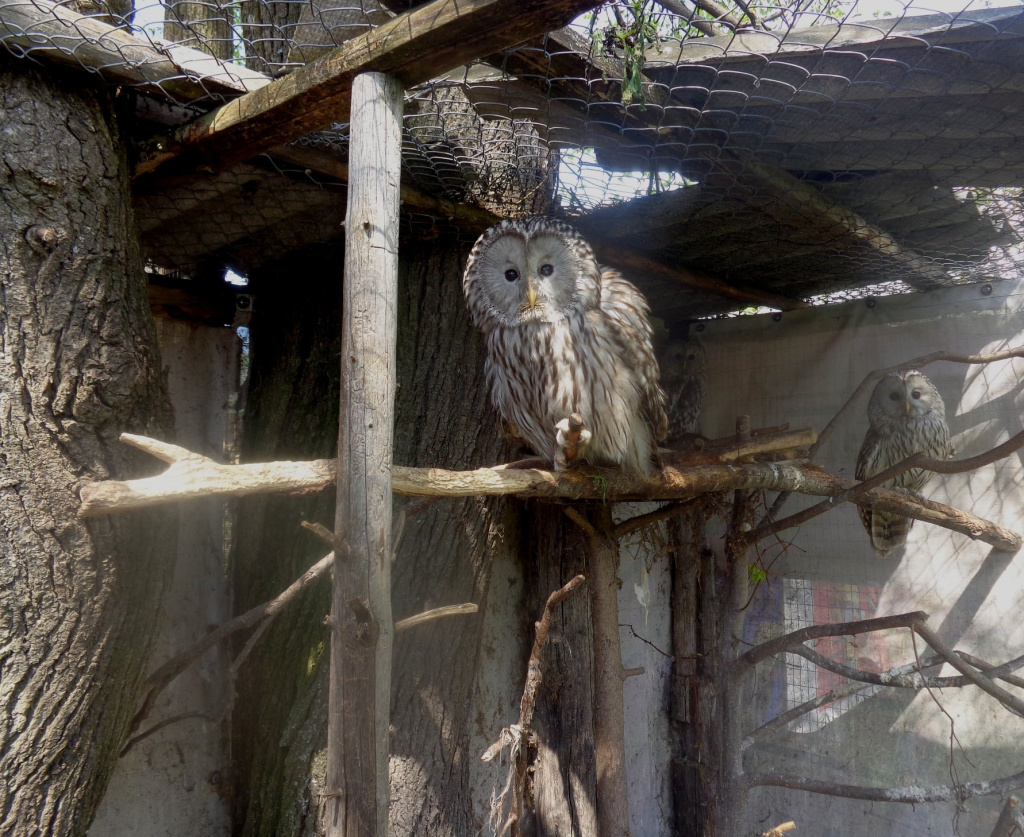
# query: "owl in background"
[[565, 335], [684, 377], [906, 416]]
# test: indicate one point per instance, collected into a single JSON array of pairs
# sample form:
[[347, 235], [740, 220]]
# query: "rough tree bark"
[[442, 417], [78, 365]]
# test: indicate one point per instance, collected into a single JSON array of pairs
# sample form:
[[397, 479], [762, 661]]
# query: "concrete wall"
[[171, 783]]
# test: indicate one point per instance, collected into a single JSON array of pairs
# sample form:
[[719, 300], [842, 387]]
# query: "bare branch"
[[798, 637], [641, 521], [790, 715], [1011, 702], [911, 795], [159, 679], [435, 613], [1001, 672], [917, 460], [719, 12], [192, 476], [909, 677], [689, 14]]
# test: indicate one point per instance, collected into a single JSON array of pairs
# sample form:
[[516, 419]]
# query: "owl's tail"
[[887, 531]]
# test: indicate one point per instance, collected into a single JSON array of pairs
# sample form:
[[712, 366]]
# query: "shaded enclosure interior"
[[856, 168]]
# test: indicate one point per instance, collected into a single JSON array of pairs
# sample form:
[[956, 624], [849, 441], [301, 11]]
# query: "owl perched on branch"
[[684, 377], [564, 336], [906, 416]]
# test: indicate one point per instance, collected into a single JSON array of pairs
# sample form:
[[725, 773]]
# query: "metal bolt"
[[777, 316], [870, 302], [986, 289]]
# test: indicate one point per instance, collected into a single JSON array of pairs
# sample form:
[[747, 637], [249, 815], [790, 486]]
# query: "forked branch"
[[518, 737], [918, 460], [191, 475]]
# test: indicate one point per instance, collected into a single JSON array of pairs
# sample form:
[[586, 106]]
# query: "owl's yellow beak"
[[531, 295], [906, 405]]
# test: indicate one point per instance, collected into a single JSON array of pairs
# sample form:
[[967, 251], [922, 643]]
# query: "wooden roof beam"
[[415, 47]]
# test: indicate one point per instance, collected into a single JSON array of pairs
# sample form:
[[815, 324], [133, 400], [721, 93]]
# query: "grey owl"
[[565, 335], [684, 377], [906, 415]]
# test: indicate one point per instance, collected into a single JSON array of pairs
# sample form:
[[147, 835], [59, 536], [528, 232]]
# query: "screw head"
[[777, 316], [870, 302], [986, 289]]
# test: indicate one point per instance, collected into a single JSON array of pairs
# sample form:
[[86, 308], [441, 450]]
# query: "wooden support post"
[[360, 681]]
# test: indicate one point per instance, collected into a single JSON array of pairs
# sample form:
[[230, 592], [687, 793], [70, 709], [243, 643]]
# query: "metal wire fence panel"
[[812, 151]]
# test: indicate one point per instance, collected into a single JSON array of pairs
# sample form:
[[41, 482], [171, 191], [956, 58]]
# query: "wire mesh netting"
[[791, 151]]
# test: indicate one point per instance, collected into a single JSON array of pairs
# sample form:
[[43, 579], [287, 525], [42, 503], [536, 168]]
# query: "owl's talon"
[[572, 438]]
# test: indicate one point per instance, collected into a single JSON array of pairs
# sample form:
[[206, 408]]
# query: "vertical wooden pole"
[[359, 701]]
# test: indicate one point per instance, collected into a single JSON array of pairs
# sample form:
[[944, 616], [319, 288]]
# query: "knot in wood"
[[41, 238]]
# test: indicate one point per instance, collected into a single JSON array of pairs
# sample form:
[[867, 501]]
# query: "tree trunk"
[[442, 418], [79, 365]]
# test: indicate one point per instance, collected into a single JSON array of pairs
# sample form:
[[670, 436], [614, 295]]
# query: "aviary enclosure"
[[222, 220]]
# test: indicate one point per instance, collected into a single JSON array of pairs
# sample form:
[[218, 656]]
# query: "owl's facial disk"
[[910, 397], [529, 279]]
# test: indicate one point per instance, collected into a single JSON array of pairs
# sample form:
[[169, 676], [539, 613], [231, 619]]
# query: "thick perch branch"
[[191, 475]]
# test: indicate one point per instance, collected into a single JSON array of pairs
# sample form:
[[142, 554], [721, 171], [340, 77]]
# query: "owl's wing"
[[869, 455], [626, 313]]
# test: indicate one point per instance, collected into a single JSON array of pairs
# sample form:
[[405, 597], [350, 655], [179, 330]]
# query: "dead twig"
[[517, 737], [162, 676], [1011, 702], [435, 613], [641, 521]]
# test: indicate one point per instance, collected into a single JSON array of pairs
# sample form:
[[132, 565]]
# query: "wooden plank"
[[414, 47], [359, 699], [53, 32]]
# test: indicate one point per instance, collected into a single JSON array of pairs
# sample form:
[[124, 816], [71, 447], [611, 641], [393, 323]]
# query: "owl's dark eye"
[[894, 396], [546, 270], [690, 357], [511, 274], [916, 393]]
